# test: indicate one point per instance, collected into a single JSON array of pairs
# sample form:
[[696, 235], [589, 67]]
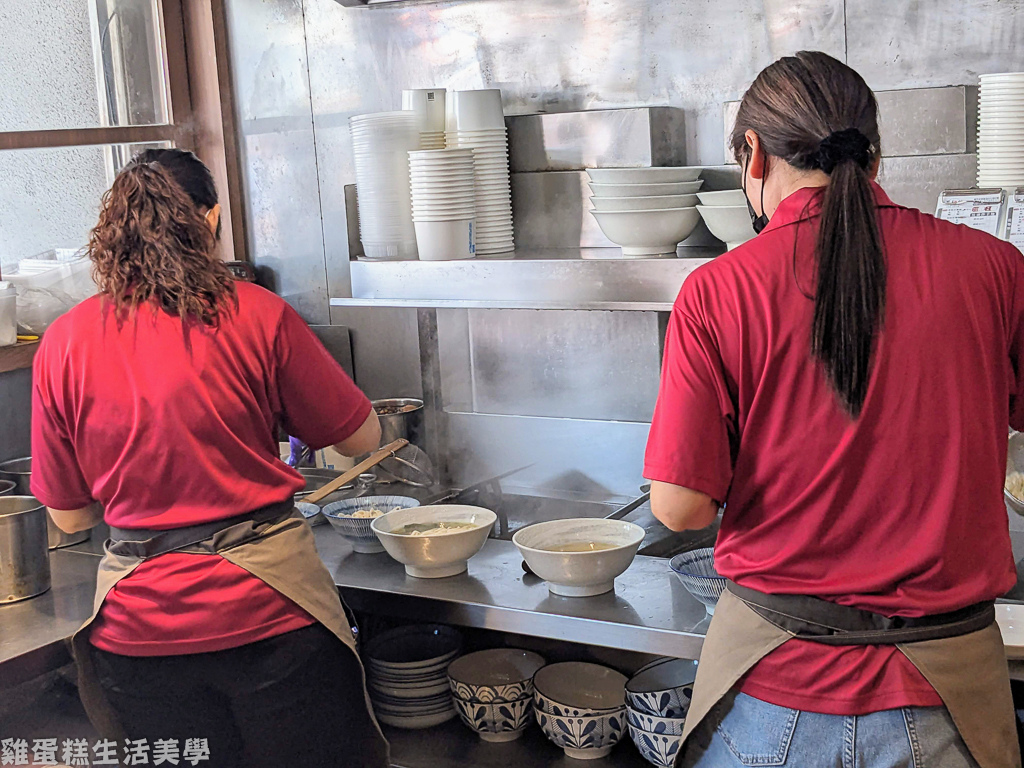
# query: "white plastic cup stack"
[[443, 203], [1001, 130], [381, 143], [429, 106], [476, 121]]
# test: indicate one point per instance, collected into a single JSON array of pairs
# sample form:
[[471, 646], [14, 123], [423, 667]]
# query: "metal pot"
[[19, 471], [24, 561], [407, 424], [7, 487]]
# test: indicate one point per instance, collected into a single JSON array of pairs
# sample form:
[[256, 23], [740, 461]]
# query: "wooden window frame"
[[202, 108]]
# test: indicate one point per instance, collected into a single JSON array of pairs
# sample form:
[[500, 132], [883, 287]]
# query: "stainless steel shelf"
[[564, 278], [649, 611], [453, 745]]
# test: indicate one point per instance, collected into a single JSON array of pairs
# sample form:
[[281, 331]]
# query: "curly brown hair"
[[153, 243]]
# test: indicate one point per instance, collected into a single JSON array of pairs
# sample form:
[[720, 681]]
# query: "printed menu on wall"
[[977, 208]]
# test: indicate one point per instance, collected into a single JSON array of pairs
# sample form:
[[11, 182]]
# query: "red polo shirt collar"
[[805, 204]]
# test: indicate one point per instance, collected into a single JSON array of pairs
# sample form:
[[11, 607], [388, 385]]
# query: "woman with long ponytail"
[[219, 635], [841, 385]]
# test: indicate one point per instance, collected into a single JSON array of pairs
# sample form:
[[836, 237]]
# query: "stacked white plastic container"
[[1001, 130], [428, 104], [381, 143], [475, 120], [443, 203]]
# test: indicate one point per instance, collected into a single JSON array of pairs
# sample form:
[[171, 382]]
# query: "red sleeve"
[[320, 404], [1017, 343], [689, 442], [57, 479]]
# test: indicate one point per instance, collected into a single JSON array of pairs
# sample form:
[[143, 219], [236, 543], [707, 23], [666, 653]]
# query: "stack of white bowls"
[[727, 216], [443, 203], [381, 143], [407, 675], [428, 104], [476, 121], [646, 211], [1001, 130]]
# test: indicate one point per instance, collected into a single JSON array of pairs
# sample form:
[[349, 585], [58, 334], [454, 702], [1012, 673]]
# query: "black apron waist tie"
[[146, 543], [821, 621]]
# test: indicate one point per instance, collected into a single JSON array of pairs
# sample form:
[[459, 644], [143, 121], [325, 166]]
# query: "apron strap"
[[822, 621], [143, 543]]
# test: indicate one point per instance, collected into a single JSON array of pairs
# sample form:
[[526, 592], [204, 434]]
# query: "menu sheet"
[[977, 208]]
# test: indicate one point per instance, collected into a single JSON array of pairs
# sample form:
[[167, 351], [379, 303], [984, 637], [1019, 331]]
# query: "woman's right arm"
[[364, 440]]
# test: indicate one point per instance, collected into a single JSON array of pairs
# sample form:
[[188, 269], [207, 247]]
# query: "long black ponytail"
[[814, 112]]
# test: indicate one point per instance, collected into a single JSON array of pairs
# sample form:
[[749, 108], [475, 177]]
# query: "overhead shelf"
[[576, 278]]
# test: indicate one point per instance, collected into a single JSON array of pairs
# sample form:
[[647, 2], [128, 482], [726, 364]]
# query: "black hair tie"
[[842, 146]]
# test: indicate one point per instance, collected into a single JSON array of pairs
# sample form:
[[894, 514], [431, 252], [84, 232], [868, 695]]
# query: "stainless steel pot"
[[19, 471], [406, 422], [24, 561], [7, 487]]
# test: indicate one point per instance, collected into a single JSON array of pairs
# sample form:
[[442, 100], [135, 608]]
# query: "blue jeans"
[[755, 733]]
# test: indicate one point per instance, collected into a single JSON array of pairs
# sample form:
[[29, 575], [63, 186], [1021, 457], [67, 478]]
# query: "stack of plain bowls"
[[1001, 130], [657, 700], [645, 211], [443, 203], [428, 104], [476, 121], [407, 675], [581, 707], [493, 691], [381, 143], [727, 216]]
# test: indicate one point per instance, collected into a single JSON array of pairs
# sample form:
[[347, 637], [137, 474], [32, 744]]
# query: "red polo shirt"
[[169, 428], [899, 512]]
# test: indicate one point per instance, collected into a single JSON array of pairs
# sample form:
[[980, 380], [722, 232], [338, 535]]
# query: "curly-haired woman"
[[155, 408]]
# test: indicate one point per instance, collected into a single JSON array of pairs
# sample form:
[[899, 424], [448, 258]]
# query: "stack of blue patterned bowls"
[[657, 700]]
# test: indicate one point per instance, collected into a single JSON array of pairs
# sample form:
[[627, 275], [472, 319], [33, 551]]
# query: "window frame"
[[202, 111]]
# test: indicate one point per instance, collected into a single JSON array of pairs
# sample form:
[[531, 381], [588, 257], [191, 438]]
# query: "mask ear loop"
[[757, 222]]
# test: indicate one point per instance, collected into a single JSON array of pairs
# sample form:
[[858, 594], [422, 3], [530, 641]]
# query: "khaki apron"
[[969, 672], [279, 552]]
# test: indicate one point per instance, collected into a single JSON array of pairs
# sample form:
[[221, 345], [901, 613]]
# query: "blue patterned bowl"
[[661, 726], [311, 512], [356, 530], [696, 569], [495, 722], [494, 676], [583, 738], [663, 689], [657, 749]]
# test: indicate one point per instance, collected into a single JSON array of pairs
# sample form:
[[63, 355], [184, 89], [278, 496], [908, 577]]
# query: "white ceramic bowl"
[[579, 574], [727, 197], [645, 190], [729, 223], [476, 110], [648, 233], [406, 650], [659, 202], [435, 556], [494, 676], [643, 175]]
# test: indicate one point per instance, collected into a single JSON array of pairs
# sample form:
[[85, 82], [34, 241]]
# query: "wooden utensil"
[[373, 460]]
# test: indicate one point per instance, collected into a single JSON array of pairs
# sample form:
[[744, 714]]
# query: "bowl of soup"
[[579, 557], [436, 541]]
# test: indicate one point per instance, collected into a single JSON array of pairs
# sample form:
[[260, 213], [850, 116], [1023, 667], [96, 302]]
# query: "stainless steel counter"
[[649, 612], [33, 633]]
